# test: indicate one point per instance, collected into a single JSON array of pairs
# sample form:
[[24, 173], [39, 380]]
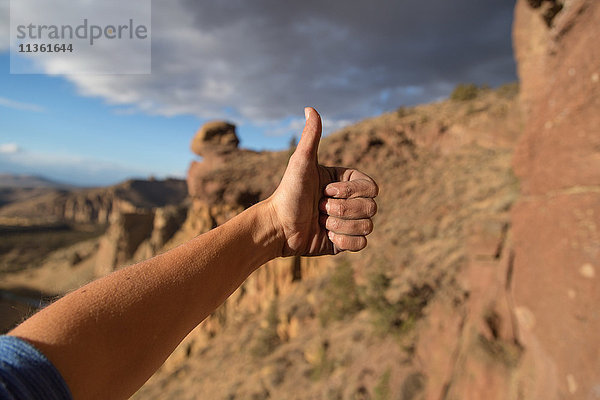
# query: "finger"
[[352, 227], [357, 208], [311, 135], [351, 189], [345, 242]]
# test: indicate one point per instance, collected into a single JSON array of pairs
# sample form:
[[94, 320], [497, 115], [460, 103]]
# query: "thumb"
[[311, 135]]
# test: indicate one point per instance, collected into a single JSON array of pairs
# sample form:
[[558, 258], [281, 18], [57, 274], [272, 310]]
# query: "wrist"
[[267, 232]]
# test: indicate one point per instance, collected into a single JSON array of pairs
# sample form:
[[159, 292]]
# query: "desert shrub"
[[508, 90], [340, 295], [292, 145], [398, 317], [403, 112], [267, 339], [413, 386], [465, 91], [325, 365], [382, 388]]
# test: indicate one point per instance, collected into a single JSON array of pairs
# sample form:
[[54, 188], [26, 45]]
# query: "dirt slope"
[[360, 325]]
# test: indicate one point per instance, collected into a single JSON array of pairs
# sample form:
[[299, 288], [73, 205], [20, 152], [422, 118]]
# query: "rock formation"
[[228, 175], [215, 138], [96, 205], [557, 242], [125, 233]]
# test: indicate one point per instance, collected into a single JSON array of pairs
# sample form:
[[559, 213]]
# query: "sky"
[[254, 63]]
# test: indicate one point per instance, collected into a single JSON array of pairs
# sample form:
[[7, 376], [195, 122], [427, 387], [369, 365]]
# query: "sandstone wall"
[[555, 224]]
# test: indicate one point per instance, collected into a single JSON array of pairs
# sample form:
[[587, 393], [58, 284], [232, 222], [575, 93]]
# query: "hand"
[[321, 210]]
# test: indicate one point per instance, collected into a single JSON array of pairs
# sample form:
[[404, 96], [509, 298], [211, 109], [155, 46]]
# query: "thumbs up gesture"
[[321, 210]]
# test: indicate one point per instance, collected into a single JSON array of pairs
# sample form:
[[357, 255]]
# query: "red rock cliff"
[[555, 224]]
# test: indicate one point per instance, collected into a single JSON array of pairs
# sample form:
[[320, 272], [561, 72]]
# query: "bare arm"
[[108, 337]]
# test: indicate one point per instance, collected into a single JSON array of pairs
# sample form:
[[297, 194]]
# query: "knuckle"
[[333, 224], [342, 208], [347, 191]]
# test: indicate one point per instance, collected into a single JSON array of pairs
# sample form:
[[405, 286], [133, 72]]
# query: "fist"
[[321, 210]]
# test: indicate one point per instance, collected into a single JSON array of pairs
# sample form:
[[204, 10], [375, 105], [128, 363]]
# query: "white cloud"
[[296, 125], [70, 168], [9, 148], [17, 105], [293, 127], [265, 60]]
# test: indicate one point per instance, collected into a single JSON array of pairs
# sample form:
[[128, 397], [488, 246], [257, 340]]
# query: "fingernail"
[[330, 235], [327, 207], [307, 113], [331, 191]]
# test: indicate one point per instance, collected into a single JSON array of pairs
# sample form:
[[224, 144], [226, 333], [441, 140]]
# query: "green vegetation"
[[465, 91], [508, 90], [324, 366], [267, 339], [404, 111], [292, 145], [340, 296], [382, 388], [398, 317]]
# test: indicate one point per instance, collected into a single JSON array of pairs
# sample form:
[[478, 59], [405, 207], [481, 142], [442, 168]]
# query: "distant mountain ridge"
[[20, 198], [30, 181]]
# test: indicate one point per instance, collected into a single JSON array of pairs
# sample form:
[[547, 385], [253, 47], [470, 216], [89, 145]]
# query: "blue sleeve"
[[26, 374]]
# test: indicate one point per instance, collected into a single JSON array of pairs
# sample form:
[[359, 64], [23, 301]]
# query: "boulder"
[[215, 138]]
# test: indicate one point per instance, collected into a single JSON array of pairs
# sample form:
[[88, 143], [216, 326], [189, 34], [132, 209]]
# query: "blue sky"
[[256, 64], [47, 128], [49, 121]]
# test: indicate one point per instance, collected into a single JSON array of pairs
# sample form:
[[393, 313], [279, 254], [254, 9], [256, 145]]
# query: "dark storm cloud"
[[357, 56], [262, 61]]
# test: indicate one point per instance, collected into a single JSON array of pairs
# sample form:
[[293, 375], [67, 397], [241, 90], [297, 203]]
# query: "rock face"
[[242, 178], [125, 233], [228, 176], [217, 137], [557, 242], [138, 235], [96, 205]]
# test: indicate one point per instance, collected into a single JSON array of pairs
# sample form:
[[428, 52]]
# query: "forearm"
[[108, 337]]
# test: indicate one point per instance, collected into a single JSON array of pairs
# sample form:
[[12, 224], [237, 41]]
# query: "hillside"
[[29, 181], [443, 168], [18, 188], [44, 204], [359, 324]]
